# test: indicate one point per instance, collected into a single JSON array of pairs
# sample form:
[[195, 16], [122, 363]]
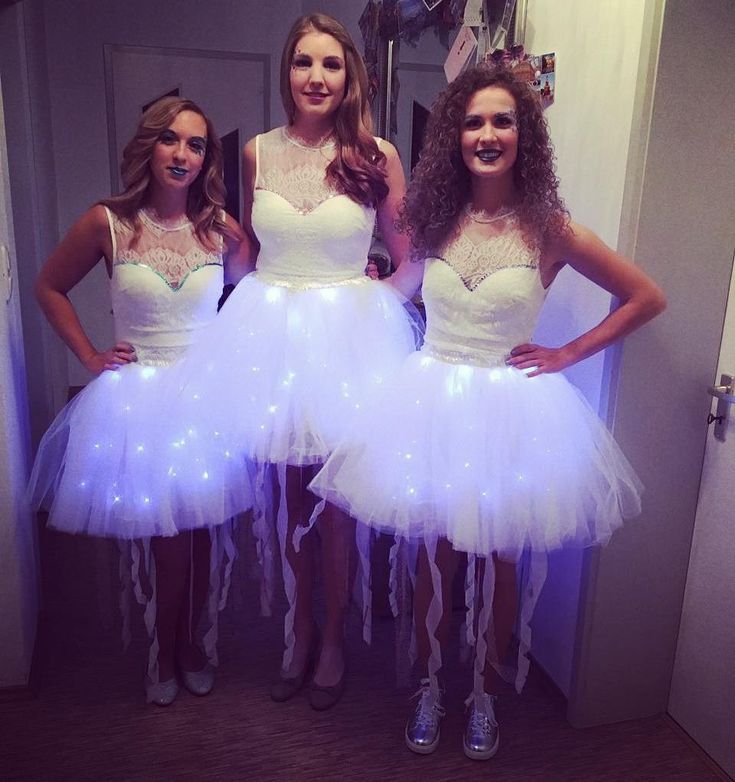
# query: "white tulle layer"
[[487, 457], [114, 464], [282, 370]]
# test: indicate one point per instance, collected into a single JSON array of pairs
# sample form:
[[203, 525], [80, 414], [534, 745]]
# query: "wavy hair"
[[206, 196], [358, 167], [441, 184]]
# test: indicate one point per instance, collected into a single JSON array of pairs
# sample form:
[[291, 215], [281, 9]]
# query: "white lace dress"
[[468, 448], [462, 446], [303, 342], [110, 465]]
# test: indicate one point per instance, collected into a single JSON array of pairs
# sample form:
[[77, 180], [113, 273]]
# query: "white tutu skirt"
[[111, 464], [281, 371], [487, 457]]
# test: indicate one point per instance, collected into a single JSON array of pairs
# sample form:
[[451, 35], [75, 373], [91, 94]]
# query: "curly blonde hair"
[[441, 185]]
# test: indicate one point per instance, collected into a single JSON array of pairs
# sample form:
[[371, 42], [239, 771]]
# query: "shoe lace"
[[482, 716], [429, 708]]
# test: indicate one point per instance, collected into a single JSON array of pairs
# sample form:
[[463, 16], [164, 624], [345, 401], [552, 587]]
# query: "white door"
[[702, 697]]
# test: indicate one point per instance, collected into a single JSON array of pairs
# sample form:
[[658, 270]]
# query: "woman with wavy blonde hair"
[[480, 446], [108, 465], [303, 341]]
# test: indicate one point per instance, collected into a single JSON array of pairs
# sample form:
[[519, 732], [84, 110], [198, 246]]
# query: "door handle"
[[725, 397], [723, 393]]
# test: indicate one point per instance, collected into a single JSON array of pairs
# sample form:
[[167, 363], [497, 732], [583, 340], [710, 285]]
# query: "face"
[[318, 75], [489, 136], [178, 155]]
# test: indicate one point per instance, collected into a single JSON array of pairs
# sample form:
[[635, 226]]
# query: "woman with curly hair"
[[107, 466], [483, 447], [304, 340]]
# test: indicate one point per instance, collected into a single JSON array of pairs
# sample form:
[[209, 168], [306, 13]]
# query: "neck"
[[492, 195], [167, 204], [312, 130]]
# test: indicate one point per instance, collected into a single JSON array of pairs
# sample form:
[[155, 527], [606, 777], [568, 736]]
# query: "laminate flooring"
[[88, 719]]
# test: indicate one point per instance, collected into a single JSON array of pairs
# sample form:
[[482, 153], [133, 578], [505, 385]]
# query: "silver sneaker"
[[422, 730], [482, 735]]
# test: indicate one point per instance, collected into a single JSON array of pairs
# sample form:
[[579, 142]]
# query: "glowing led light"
[[227, 454], [82, 484], [447, 485], [411, 490], [171, 472], [272, 408], [147, 500], [466, 464], [126, 408], [273, 294], [96, 446], [140, 449], [408, 456], [426, 361], [190, 432], [205, 475], [147, 372], [195, 396], [116, 498]]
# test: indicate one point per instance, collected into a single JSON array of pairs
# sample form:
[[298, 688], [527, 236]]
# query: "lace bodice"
[[163, 288], [310, 235], [483, 296]]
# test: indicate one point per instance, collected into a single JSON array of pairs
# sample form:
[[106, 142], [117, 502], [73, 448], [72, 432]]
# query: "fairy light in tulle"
[[171, 472], [147, 372], [82, 484], [140, 449], [273, 294], [272, 408], [205, 475], [96, 446], [147, 500]]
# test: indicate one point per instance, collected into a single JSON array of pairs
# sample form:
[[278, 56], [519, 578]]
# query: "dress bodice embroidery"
[[164, 287], [310, 234], [483, 296]]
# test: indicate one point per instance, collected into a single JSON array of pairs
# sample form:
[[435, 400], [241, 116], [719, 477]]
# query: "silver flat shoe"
[[482, 735], [161, 693], [422, 729], [198, 682]]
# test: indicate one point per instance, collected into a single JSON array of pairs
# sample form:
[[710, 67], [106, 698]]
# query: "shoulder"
[[94, 223], [390, 152], [249, 150]]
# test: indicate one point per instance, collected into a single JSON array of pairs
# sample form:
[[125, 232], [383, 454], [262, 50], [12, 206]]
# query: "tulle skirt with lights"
[[115, 463], [282, 371], [487, 457]]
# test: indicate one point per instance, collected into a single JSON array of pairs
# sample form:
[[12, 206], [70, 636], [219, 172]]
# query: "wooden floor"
[[89, 720]]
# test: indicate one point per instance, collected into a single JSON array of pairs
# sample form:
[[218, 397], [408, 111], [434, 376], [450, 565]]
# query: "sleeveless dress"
[[109, 464], [468, 448], [301, 344], [464, 447], [303, 341]]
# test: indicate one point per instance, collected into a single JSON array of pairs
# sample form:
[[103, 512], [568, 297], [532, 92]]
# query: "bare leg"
[[302, 564], [337, 533], [447, 560], [505, 608], [189, 654], [172, 568]]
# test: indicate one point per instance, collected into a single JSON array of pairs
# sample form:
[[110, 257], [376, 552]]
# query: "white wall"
[[597, 49], [19, 593]]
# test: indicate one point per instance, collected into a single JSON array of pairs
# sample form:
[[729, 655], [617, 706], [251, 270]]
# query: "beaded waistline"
[[158, 356], [310, 283], [469, 357]]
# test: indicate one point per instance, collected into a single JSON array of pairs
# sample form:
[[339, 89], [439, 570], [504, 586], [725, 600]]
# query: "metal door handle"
[[725, 397], [723, 393]]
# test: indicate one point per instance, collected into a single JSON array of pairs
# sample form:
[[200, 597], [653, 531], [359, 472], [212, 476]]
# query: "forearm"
[[64, 320], [628, 317]]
